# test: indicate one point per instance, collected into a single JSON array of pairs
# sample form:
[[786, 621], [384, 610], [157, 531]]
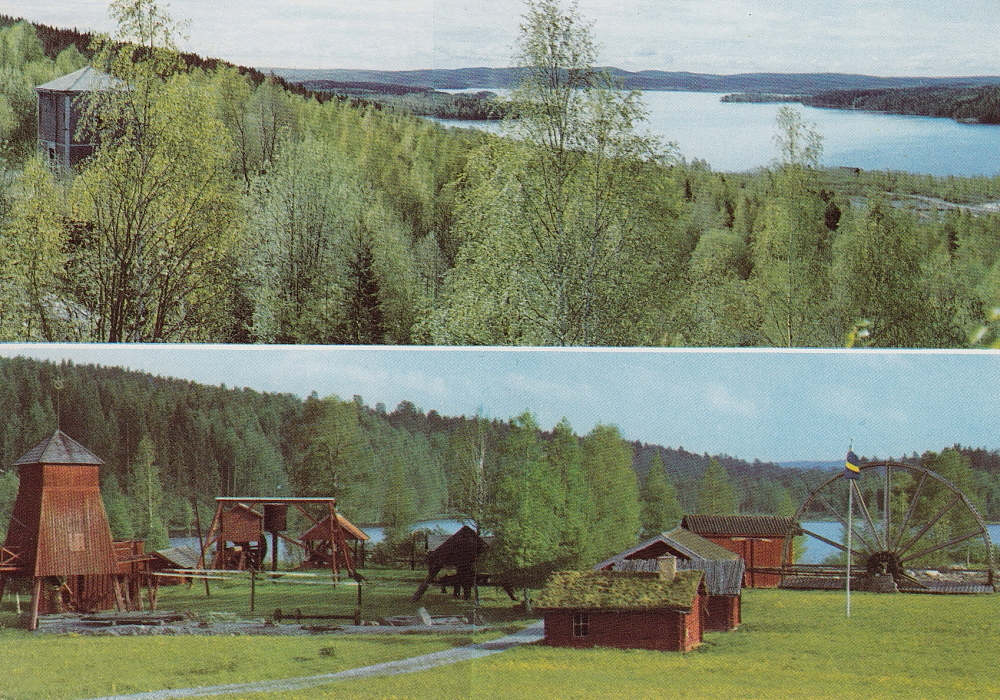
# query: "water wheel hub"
[[883, 563]]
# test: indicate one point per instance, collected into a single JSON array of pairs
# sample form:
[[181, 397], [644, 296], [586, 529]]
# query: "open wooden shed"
[[723, 570], [627, 610], [759, 539], [238, 525], [59, 535], [319, 547]]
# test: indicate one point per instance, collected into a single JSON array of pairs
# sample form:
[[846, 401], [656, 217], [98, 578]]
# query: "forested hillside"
[[171, 445], [309, 220], [979, 104]]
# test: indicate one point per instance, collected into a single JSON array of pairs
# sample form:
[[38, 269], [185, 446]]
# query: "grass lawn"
[[793, 644]]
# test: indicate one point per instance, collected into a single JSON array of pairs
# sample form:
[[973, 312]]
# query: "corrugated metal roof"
[[741, 525], [59, 448], [84, 80]]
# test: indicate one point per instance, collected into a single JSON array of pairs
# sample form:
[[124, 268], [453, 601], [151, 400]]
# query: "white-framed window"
[[581, 625]]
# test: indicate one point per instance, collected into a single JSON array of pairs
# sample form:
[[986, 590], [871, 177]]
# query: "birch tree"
[[553, 253]]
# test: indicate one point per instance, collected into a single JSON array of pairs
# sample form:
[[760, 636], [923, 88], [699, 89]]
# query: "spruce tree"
[[716, 496], [661, 511]]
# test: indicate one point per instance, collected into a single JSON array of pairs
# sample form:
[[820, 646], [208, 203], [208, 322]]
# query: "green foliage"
[[661, 511], [524, 523], [716, 495], [607, 463], [554, 202]]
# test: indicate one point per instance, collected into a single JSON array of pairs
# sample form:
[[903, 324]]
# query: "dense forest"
[[170, 446], [979, 105], [973, 104], [508, 78], [224, 205]]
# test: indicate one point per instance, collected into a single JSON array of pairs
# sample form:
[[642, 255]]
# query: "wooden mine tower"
[[59, 535], [59, 112]]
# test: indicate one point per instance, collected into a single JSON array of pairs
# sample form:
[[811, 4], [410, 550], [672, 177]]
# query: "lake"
[[815, 551], [737, 137]]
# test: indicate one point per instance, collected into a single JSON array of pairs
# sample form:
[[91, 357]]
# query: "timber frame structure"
[[322, 512]]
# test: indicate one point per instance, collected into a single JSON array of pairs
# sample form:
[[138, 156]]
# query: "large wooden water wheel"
[[912, 530]]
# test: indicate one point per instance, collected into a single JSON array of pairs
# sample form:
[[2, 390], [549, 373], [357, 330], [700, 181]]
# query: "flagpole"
[[852, 470], [850, 514]]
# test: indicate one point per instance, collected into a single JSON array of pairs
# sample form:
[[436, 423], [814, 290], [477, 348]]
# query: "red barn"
[[627, 610], [758, 539], [723, 569]]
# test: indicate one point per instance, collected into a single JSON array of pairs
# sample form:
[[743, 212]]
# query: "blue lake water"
[[737, 137], [816, 551]]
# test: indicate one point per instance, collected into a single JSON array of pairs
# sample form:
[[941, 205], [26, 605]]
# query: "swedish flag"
[[852, 467]]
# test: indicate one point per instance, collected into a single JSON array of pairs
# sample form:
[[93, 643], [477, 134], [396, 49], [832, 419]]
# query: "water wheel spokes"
[[908, 523]]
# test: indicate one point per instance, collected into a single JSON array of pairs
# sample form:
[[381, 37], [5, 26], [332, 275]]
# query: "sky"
[[769, 405], [883, 37]]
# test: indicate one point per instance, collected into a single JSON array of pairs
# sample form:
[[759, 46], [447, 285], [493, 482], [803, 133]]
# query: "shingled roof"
[[615, 590], [723, 568], [59, 448], [741, 525], [84, 80], [321, 530]]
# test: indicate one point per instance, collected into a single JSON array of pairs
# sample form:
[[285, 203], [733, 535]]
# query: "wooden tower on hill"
[[59, 534]]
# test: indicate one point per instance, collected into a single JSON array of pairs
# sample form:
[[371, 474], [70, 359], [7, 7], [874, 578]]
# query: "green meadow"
[[792, 644]]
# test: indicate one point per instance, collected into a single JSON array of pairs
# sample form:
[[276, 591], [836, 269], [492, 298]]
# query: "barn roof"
[[321, 530], [723, 568], [679, 542], [59, 448], [84, 80], [741, 525], [615, 590]]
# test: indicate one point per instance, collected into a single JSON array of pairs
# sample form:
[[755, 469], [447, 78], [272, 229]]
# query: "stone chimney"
[[667, 567]]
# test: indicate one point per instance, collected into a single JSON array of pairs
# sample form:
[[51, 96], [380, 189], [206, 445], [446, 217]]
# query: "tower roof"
[[84, 80], [59, 448]]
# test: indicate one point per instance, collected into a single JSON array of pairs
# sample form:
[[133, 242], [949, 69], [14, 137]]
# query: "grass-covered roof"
[[618, 590]]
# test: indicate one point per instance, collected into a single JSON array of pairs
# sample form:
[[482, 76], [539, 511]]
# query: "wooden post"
[[201, 544], [36, 599]]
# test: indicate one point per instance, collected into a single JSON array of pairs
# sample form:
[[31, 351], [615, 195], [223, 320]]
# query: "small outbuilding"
[[723, 570], [462, 552], [241, 544], [758, 539], [318, 543], [59, 113], [628, 610]]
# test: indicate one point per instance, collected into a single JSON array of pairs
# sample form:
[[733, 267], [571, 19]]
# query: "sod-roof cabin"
[[758, 539], [628, 610], [723, 571]]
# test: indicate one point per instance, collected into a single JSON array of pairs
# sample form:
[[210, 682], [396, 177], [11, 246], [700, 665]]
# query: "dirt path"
[[532, 633]]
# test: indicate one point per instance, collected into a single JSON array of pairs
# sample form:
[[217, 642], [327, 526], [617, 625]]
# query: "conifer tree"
[[661, 510], [716, 495]]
